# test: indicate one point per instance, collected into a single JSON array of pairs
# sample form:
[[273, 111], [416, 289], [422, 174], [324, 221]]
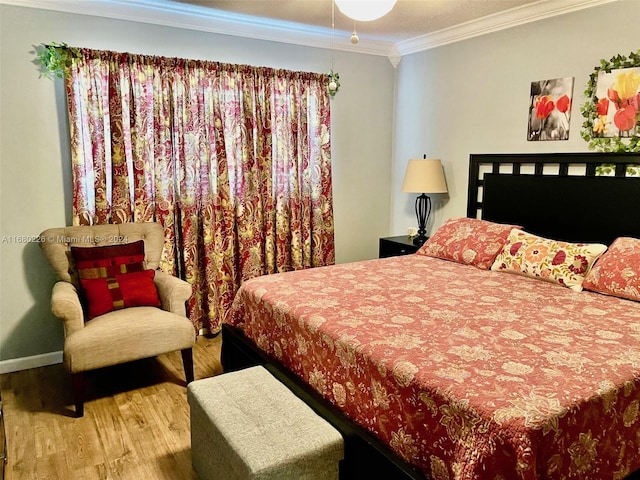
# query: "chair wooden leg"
[[187, 362], [77, 386]]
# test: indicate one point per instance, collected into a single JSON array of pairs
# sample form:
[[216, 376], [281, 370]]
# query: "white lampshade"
[[365, 10], [424, 176]]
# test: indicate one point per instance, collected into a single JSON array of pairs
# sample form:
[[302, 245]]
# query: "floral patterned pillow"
[[552, 260], [617, 272], [467, 240]]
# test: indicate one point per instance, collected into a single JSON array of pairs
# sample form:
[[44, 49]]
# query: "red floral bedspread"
[[466, 373]]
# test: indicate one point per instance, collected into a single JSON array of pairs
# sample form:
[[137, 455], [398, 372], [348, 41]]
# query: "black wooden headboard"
[[560, 195]]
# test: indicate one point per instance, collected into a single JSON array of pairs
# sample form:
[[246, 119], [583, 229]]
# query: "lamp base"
[[420, 239], [423, 209]]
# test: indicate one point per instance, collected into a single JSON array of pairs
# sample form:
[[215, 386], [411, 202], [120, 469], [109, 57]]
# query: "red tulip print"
[[620, 107], [544, 106], [563, 104], [603, 106], [625, 118], [550, 109]]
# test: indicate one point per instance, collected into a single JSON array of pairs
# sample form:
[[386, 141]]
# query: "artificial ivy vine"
[[609, 170], [590, 109], [334, 83], [55, 58]]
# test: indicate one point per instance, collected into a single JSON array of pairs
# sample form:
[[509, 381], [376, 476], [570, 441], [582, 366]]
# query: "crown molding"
[[494, 23], [180, 15]]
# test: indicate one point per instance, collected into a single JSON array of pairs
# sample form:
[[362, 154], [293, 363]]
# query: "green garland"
[[333, 83], [55, 58], [590, 112], [609, 170]]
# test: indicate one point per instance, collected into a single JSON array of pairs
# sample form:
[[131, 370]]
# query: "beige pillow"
[[551, 260]]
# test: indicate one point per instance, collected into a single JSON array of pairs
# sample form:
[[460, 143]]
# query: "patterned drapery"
[[234, 161]]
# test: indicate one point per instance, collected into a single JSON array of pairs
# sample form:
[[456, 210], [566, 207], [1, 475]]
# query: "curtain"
[[234, 161]]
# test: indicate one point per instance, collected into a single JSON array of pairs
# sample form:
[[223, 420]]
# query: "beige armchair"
[[121, 335]]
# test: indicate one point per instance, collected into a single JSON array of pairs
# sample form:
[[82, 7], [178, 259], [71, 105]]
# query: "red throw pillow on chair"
[[113, 277], [123, 290]]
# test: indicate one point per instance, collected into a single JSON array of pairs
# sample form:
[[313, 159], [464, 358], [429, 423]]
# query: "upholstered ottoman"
[[246, 425]]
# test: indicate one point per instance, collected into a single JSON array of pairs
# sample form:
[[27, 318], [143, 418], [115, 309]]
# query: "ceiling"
[[412, 25], [408, 19], [409, 22]]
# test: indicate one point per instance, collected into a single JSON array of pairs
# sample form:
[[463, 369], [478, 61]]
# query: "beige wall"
[[35, 179], [473, 96]]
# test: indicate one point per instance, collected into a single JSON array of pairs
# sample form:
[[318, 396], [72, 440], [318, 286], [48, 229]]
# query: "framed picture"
[[617, 96], [550, 109], [612, 109]]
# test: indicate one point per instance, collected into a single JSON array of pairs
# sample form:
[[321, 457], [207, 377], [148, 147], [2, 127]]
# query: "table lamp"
[[423, 176]]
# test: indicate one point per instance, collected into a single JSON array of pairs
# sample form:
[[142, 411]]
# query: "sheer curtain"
[[234, 161]]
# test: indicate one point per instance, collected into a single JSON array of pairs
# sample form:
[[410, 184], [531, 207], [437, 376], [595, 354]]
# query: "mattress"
[[465, 373]]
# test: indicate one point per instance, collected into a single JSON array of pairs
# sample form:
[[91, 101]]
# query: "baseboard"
[[25, 363]]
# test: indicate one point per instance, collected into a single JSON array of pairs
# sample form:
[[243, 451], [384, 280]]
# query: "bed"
[[444, 368]]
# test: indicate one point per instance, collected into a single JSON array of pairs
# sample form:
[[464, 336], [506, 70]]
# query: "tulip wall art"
[[617, 98], [550, 109], [612, 109]]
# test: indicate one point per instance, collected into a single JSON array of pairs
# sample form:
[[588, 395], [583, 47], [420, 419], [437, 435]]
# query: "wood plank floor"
[[135, 426]]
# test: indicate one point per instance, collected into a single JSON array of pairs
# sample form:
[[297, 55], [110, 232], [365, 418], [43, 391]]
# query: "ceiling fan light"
[[365, 10]]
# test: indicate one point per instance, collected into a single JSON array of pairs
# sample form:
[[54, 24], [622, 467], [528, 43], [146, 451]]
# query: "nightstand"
[[394, 246]]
